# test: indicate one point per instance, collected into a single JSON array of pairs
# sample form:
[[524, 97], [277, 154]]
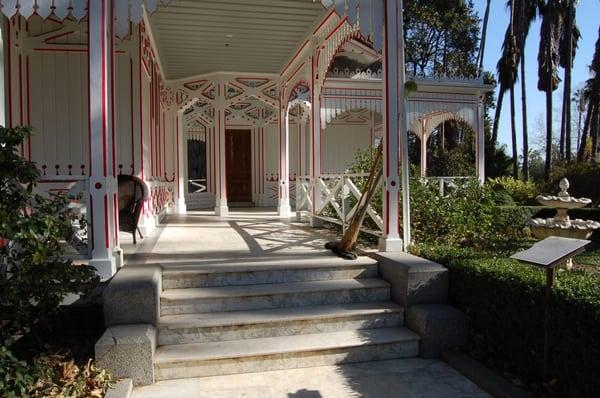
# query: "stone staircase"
[[268, 314]]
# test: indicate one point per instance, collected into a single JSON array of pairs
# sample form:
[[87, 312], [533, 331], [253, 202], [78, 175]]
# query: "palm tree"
[[591, 94], [568, 47], [483, 36], [548, 79], [507, 75], [526, 14]]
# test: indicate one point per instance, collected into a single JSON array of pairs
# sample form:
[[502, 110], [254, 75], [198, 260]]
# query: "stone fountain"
[[561, 224]]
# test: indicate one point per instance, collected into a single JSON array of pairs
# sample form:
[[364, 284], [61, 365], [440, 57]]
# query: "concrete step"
[[276, 295], [239, 325], [303, 269], [283, 352]]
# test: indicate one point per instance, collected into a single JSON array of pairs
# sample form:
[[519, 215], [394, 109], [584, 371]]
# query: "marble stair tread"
[[308, 262], [271, 315], [198, 352], [174, 295]]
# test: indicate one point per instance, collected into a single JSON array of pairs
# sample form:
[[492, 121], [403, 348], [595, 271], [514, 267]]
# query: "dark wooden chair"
[[132, 195]]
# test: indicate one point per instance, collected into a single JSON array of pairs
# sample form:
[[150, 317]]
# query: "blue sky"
[[588, 13]]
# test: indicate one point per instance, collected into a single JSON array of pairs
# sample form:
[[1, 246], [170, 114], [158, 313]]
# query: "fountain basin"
[[563, 202], [576, 229]]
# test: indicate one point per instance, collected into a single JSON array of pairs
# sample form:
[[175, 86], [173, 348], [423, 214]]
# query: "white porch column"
[[390, 241], [180, 207], [480, 141], [102, 184], [221, 208], [315, 148], [283, 205]]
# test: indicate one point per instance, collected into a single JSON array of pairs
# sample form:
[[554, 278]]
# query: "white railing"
[[334, 198], [76, 188], [444, 183], [199, 185], [161, 197]]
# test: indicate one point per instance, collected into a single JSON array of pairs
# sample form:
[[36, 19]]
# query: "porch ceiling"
[[258, 36]]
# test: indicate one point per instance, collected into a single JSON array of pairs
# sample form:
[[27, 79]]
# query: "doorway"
[[239, 166]]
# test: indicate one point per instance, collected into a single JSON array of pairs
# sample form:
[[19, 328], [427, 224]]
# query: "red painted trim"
[[28, 93], [295, 72], [106, 231], [111, 57], [387, 94], [131, 114], [337, 27], [104, 95], [177, 152], [324, 20], [151, 127], [89, 115], [58, 35], [116, 219], [294, 57], [21, 119], [71, 50], [9, 71], [141, 105], [91, 230]]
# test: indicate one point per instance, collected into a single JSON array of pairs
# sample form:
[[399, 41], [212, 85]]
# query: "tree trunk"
[[568, 75], [483, 36], [584, 134], [548, 164], [513, 131], [524, 118], [594, 133], [497, 117], [563, 120]]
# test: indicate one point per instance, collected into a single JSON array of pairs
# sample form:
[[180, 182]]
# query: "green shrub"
[[34, 276], [522, 192], [505, 304], [584, 179]]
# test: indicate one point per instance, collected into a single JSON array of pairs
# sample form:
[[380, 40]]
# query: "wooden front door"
[[239, 165]]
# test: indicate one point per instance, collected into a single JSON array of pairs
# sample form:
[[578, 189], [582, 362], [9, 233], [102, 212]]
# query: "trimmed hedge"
[[505, 304]]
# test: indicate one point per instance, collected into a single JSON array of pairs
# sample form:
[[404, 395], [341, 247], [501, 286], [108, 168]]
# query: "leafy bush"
[[49, 376], [505, 303], [583, 178], [465, 214], [34, 277], [522, 192]]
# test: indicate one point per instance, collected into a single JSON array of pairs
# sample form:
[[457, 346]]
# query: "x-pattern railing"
[[335, 198]]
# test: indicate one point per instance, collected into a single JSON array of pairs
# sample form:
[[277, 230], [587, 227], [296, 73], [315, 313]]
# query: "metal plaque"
[[551, 251]]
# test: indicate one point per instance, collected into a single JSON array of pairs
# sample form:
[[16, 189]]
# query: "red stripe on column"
[[111, 57], [104, 99], [89, 109], [141, 106], [116, 220], [21, 99], [131, 114], [9, 71], [28, 105], [177, 152], [106, 231]]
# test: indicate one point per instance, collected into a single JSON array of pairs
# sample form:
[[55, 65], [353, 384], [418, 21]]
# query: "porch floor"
[[246, 234], [254, 235]]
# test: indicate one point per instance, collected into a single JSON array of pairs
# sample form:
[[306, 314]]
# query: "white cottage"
[[217, 103]]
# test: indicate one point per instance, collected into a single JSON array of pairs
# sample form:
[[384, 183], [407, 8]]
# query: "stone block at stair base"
[[122, 389], [127, 351], [133, 296], [414, 280], [440, 326]]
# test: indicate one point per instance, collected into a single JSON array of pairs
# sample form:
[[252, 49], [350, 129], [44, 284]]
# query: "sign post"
[[549, 254]]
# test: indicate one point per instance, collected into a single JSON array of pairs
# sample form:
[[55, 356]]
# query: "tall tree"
[[526, 12], [591, 94], [481, 53], [548, 80], [568, 46]]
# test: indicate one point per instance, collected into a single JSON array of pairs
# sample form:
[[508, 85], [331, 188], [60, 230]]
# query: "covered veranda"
[[118, 87]]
